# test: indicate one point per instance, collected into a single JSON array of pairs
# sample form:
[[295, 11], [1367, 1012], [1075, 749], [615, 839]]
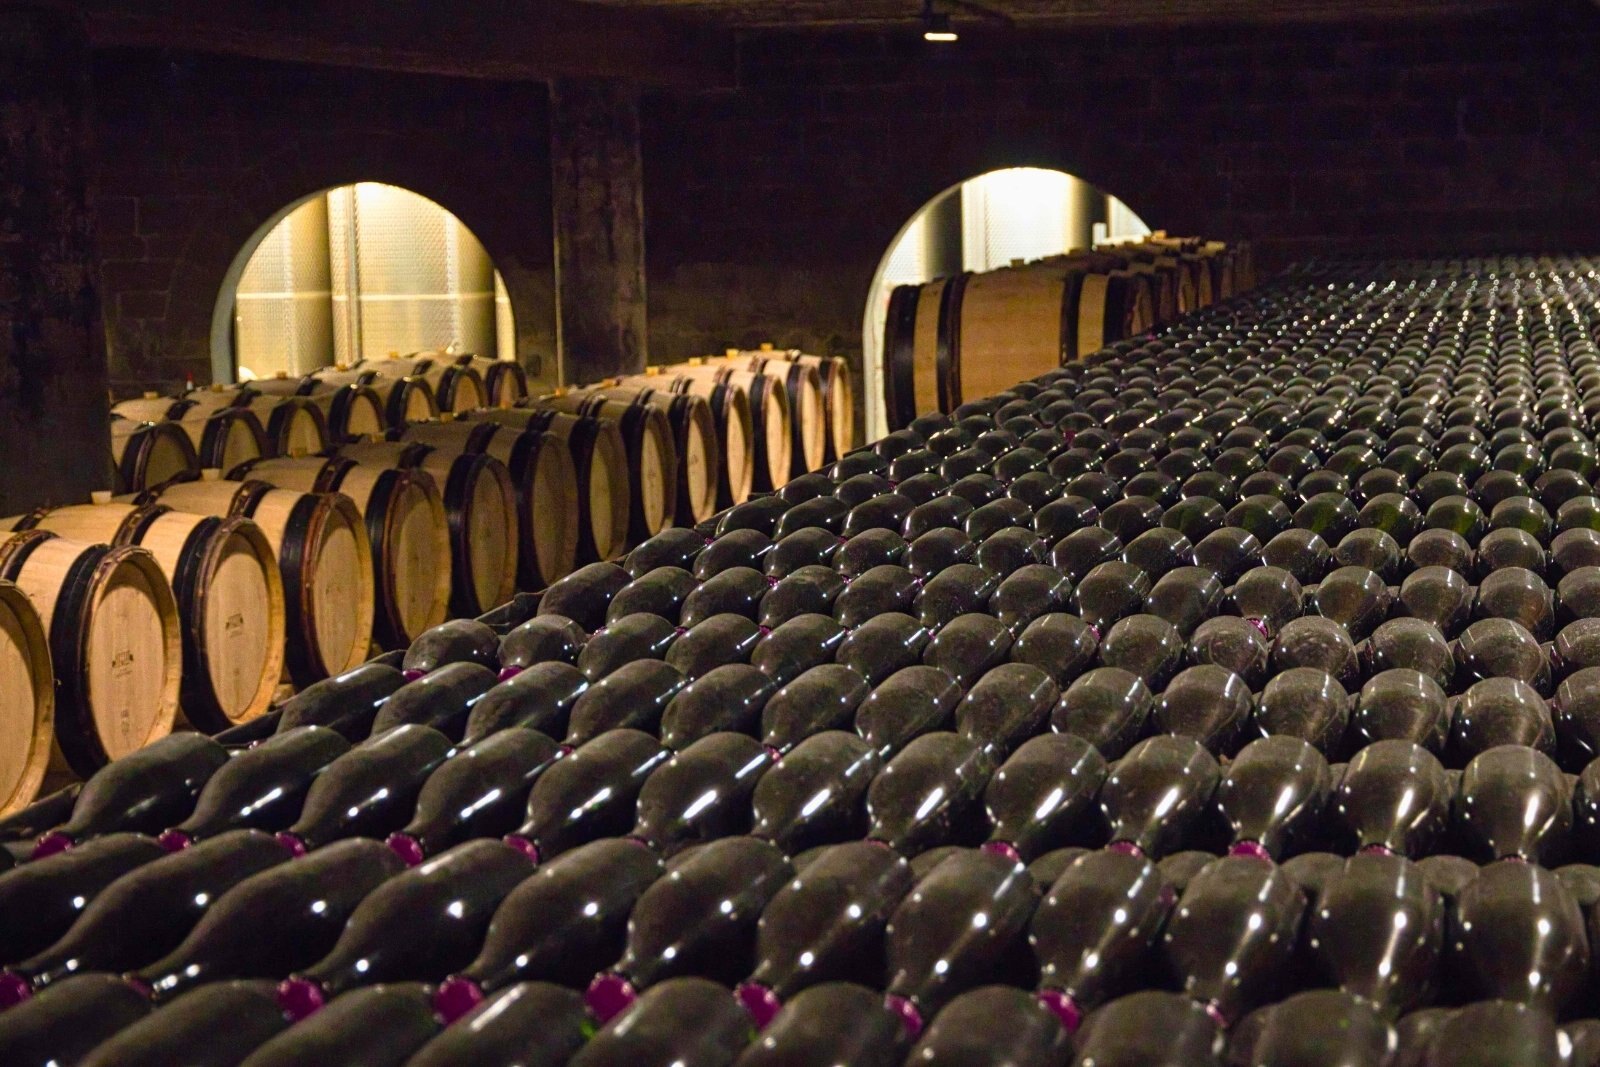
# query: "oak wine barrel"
[[225, 579], [324, 560], [652, 456], [27, 700], [349, 412], [456, 386], [694, 436], [768, 401], [730, 411], [480, 505], [807, 431], [838, 402], [837, 395], [227, 438], [114, 642], [150, 453], [1174, 276], [973, 335], [546, 485], [406, 528], [505, 381], [600, 462], [400, 400], [152, 407], [295, 426], [223, 434]]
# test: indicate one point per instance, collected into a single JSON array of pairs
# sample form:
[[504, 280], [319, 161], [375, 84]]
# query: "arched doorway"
[[1019, 213], [355, 272]]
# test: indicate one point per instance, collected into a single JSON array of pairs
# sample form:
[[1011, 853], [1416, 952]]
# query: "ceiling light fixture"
[[936, 25]]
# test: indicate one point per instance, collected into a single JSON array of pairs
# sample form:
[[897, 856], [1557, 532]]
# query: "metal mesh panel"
[[283, 322], [1022, 213], [1124, 225], [505, 328], [407, 275]]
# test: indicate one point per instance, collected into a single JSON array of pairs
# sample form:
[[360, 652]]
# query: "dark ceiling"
[[1061, 13]]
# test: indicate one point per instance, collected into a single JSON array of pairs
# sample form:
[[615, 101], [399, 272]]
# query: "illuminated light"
[[457, 908], [1168, 802], [1050, 803], [815, 803], [936, 25], [701, 803], [591, 909], [932, 802]]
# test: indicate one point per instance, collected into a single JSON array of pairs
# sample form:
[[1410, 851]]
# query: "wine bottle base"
[[1002, 848], [300, 998], [408, 848], [14, 989], [52, 844], [524, 846], [174, 840], [609, 995], [293, 843], [761, 1003], [1253, 849], [902, 1009], [456, 997]]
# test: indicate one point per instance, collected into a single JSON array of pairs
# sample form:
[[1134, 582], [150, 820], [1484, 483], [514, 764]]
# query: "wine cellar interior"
[[740, 533]]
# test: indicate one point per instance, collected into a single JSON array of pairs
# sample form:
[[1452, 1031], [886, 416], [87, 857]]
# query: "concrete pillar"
[[942, 236], [54, 442], [598, 196]]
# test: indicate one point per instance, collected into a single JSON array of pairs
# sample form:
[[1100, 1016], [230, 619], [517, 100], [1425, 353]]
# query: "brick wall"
[[195, 154], [769, 207]]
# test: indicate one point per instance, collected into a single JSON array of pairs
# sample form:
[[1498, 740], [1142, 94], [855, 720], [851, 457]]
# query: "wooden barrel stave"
[[600, 461], [295, 426], [226, 438], [505, 381], [402, 400], [323, 559], [694, 437], [457, 386], [112, 626], [150, 453], [730, 411], [806, 429], [407, 530], [839, 402], [544, 481], [27, 700], [652, 456], [480, 506]]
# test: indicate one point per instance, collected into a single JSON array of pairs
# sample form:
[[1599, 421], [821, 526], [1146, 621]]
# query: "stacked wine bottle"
[[1230, 698]]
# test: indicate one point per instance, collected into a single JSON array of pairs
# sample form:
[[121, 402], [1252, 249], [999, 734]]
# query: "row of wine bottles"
[[1159, 710], [610, 932]]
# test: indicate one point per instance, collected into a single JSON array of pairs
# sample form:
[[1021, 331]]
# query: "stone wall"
[[770, 206], [196, 154]]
